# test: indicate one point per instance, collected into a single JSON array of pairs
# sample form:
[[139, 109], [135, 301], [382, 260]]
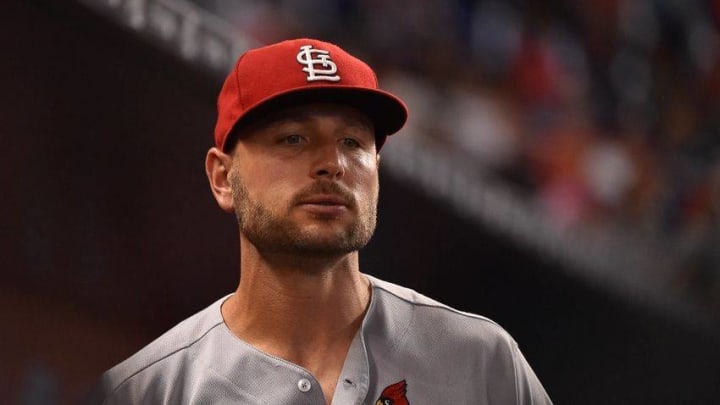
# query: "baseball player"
[[299, 130]]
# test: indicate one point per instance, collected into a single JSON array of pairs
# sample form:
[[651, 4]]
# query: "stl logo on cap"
[[320, 68]]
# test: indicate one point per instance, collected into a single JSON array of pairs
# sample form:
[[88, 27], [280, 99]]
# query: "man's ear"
[[377, 159], [217, 168]]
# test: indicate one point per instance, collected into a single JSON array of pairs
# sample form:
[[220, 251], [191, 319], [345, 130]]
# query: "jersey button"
[[304, 385]]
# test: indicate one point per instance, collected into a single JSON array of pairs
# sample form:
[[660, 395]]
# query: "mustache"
[[325, 187]]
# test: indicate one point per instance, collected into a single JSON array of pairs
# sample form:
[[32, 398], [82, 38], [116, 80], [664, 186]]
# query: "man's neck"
[[286, 304], [308, 316]]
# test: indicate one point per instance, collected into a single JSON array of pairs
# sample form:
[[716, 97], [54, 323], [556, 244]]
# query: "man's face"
[[305, 181]]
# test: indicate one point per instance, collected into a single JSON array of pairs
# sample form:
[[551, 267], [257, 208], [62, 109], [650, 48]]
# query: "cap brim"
[[387, 112]]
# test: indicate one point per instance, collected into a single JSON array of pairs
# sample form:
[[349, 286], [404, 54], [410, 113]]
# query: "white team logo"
[[319, 68]]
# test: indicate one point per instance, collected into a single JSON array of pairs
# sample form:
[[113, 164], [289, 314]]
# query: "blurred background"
[[560, 174]]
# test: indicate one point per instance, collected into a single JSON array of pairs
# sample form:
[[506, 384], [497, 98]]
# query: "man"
[[296, 156]]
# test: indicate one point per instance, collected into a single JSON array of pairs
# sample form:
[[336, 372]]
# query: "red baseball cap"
[[299, 71]]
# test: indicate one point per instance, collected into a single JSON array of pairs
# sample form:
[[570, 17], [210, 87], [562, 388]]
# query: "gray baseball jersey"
[[409, 350]]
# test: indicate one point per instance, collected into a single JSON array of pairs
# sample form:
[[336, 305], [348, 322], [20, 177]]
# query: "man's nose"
[[329, 163]]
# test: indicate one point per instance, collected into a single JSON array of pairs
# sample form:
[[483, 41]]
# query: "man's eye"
[[292, 139], [351, 143]]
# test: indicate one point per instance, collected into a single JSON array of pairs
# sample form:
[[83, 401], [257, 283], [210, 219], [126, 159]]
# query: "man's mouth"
[[324, 199], [325, 205]]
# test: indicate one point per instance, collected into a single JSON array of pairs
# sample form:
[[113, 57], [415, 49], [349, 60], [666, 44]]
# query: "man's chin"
[[308, 250], [312, 245], [310, 239], [318, 245]]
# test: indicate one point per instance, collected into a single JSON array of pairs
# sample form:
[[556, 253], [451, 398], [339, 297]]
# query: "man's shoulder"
[[430, 311], [168, 348], [464, 343]]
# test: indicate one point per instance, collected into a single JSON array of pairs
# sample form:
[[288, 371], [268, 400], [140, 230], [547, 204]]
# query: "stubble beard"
[[272, 232]]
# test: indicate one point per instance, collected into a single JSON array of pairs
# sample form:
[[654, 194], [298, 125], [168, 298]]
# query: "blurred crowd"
[[604, 113]]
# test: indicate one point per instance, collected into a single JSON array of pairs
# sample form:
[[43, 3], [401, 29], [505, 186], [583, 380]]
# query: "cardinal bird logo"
[[394, 395]]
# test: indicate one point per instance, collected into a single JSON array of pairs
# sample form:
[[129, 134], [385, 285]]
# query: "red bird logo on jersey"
[[394, 395]]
